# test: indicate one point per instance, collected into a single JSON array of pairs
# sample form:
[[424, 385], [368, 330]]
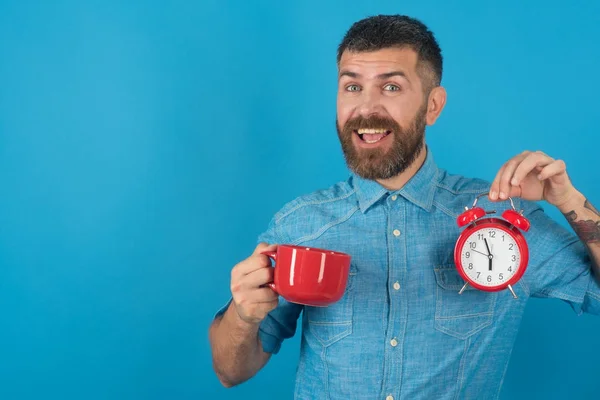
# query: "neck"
[[397, 182]]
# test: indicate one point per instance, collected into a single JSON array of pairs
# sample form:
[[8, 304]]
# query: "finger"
[[258, 296], [554, 169], [248, 266], [254, 262], [258, 278], [529, 164], [507, 173], [495, 186], [262, 247], [264, 295]]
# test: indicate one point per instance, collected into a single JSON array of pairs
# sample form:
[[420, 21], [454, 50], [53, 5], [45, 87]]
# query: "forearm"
[[585, 220], [236, 349]]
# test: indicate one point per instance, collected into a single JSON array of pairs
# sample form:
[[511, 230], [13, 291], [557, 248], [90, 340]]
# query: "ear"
[[435, 104]]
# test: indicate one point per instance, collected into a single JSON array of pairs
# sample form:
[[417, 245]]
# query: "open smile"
[[371, 136]]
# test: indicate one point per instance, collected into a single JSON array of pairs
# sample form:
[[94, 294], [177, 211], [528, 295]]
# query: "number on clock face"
[[494, 270]]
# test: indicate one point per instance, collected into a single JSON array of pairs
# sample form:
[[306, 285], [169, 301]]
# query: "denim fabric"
[[402, 329]]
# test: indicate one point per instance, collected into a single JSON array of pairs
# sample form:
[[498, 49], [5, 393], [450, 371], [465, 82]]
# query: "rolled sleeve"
[[560, 266], [280, 324]]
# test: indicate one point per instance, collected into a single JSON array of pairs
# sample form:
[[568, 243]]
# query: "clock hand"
[[490, 257], [480, 253], [488, 247]]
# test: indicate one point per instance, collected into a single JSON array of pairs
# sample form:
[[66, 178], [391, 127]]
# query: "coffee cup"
[[308, 275]]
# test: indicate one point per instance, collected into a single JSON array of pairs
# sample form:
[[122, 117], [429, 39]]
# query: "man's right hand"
[[252, 299]]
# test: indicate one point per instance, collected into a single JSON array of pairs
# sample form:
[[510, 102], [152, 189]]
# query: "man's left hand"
[[533, 176]]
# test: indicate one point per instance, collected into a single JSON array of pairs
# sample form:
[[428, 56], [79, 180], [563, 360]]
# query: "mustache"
[[372, 122]]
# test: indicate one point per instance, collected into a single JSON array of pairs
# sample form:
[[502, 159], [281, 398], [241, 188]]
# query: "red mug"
[[309, 276]]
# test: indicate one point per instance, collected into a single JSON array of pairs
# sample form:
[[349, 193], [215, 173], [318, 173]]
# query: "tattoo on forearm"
[[587, 230], [571, 216], [590, 207]]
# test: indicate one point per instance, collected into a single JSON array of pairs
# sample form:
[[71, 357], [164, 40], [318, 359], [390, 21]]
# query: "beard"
[[383, 163]]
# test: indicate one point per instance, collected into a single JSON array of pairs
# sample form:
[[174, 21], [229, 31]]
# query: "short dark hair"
[[385, 31]]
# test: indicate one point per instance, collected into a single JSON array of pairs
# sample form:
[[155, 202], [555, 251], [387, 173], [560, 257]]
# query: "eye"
[[352, 88], [391, 88]]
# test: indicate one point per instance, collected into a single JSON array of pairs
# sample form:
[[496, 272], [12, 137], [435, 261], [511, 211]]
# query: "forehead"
[[379, 61]]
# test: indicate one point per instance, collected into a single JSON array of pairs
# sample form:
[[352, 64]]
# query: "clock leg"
[[463, 288], [513, 292]]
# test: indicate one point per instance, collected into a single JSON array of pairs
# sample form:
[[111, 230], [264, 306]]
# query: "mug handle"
[[272, 255]]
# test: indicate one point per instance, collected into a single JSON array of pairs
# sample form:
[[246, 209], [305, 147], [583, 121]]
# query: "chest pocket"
[[334, 322], [461, 315]]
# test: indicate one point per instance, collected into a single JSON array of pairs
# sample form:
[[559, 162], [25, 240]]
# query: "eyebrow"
[[387, 75]]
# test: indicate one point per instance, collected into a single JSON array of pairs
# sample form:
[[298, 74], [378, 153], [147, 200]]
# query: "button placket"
[[397, 313]]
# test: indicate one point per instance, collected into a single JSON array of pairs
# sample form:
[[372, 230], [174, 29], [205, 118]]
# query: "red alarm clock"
[[491, 254]]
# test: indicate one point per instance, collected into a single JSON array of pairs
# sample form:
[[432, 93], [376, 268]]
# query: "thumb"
[[262, 247]]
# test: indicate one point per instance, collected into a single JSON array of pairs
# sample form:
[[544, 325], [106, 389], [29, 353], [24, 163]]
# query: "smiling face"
[[381, 111]]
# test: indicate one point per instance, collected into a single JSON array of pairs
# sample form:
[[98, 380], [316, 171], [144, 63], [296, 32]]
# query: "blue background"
[[145, 145]]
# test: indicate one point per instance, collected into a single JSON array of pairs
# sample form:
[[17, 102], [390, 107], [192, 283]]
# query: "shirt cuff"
[[270, 343]]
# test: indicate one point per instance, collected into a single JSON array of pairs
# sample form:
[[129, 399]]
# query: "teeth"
[[371, 141], [371, 131]]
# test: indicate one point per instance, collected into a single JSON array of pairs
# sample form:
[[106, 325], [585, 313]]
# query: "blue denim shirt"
[[402, 331]]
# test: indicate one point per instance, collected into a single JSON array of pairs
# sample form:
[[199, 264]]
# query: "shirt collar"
[[419, 190]]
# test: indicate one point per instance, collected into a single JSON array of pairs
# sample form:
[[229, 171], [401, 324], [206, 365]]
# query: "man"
[[402, 330]]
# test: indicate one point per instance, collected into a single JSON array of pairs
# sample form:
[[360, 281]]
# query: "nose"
[[369, 106]]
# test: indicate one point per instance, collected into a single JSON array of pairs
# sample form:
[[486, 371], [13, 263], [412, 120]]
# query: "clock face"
[[490, 256]]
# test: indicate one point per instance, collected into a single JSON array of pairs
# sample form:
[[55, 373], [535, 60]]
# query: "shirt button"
[[394, 197], [396, 232], [396, 286], [394, 342], [390, 397]]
